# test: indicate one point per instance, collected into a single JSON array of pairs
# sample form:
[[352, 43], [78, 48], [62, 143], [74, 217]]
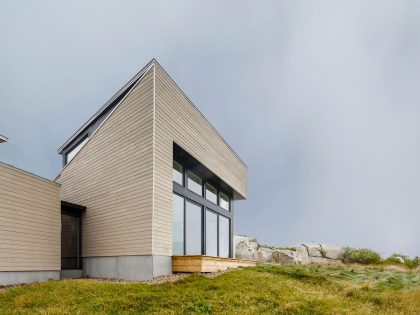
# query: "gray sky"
[[320, 99]]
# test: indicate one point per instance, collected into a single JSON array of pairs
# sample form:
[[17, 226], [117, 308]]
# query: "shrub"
[[360, 255], [395, 259], [277, 248], [413, 263]]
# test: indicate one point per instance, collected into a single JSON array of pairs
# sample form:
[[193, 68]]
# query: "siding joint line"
[[153, 159]]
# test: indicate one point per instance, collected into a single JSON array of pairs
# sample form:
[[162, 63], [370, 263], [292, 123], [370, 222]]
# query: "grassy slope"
[[264, 289]]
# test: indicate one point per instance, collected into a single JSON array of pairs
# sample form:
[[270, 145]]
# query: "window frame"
[[205, 205], [205, 231], [205, 192], [182, 172], [228, 202], [183, 222], [187, 178], [188, 195], [202, 209]]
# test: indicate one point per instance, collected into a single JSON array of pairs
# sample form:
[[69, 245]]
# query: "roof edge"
[[124, 88], [135, 83], [29, 173], [107, 104], [188, 99]]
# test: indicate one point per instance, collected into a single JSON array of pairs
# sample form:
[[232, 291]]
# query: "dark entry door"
[[70, 241]]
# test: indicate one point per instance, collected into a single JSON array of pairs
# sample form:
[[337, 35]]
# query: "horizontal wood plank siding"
[[177, 120], [208, 263], [30, 222], [112, 177]]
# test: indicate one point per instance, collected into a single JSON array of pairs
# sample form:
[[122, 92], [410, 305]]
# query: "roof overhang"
[[106, 106]]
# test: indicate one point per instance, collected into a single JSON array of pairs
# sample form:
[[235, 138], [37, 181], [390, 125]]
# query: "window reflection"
[[178, 173], [178, 226], [211, 193], [195, 183], [193, 232], [224, 201], [211, 233], [224, 236]]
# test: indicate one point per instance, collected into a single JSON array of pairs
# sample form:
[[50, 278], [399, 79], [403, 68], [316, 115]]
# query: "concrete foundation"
[[127, 267], [71, 274], [16, 277]]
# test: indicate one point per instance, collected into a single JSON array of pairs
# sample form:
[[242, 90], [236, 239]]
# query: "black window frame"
[[185, 225], [227, 195], [188, 171], [204, 210], [183, 172], [190, 163]]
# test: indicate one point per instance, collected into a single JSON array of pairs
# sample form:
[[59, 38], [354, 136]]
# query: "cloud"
[[320, 99]]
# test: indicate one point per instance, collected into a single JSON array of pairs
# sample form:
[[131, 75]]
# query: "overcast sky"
[[321, 99]]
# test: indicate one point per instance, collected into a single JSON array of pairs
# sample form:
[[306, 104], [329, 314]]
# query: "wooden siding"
[[123, 175], [112, 176], [177, 120], [30, 224], [201, 263]]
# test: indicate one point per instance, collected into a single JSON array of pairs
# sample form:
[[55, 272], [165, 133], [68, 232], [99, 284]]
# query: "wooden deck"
[[201, 263]]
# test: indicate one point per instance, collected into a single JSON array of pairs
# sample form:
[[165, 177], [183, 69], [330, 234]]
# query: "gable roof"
[[119, 96], [113, 101]]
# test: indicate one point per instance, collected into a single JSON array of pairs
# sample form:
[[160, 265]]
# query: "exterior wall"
[[143, 267], [30, 226], [112, 177], [123, 175], [177, 120]]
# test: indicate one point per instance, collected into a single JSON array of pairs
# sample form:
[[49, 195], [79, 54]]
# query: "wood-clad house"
[[146, 178]]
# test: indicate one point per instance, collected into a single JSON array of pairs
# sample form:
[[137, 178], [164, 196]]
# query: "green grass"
[[264, 289]]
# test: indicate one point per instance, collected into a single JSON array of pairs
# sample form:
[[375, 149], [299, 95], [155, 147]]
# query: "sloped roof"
[[116, 98]]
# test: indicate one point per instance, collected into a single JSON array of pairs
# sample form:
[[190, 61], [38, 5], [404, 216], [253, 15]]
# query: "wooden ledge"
[[202, 263]]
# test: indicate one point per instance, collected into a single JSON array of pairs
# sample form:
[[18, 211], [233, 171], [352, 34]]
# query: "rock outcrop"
[[319, 253], [248, 248]]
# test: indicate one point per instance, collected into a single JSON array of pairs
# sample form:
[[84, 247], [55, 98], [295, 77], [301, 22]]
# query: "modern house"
[[146, 179]]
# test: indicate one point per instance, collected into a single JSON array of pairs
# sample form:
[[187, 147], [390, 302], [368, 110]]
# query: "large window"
[[201, 210], [71, 154], [193, 234], [178, 226], [178, 173], [224, 201], [211, 233], [224, 236], [195, 183], [211, 193]]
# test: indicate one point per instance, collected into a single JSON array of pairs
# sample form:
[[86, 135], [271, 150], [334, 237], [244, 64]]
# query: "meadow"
[[266, 289]]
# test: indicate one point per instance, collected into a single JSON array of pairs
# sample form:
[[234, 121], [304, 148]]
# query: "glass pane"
[[195, 183], [224, 236], [76, 150], [211, 193], [178, 173], [224, 201], [70, 242], [178, 226], [193, 229], [211, 233]]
